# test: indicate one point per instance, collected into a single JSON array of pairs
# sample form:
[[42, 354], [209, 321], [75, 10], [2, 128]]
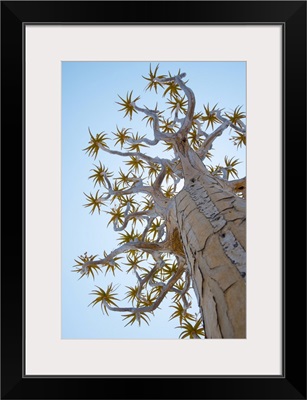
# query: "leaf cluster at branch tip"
[[128, 104]]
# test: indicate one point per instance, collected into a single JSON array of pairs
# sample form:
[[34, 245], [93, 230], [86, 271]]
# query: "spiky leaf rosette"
[[100, 173], [128, 104], [230, 164], [152, 79], [210, 116], [121, 136], [181, 313], [236, 117], [94, 202], [106, 298], [172, 88], [85, 267], [192, 331], [136, 316], [239, 139], [178, 103], [97, 142]]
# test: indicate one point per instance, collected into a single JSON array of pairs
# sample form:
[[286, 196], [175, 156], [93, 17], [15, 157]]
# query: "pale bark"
[[212, 227]]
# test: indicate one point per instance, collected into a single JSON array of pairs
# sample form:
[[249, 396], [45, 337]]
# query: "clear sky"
[[89, 95]]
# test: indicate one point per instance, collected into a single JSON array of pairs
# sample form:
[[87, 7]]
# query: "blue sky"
[[89, 94]]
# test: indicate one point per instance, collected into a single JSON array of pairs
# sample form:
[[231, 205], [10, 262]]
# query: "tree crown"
[[139, 199]]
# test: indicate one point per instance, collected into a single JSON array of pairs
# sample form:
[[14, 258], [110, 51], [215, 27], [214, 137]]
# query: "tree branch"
[[133, 154], [188, 119], [148, 247], [136, 214], [238, 186], [158, 135], [157, 302], [207, 145]]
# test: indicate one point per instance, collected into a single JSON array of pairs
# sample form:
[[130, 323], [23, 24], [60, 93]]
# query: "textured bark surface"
[[212, 224]]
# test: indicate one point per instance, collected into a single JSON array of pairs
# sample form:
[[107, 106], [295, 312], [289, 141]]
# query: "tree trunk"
[[212, 226]]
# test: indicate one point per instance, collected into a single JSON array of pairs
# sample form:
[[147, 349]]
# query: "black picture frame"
[[14, 384]]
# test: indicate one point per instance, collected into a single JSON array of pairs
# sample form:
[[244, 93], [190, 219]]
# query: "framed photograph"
[[158, 146]]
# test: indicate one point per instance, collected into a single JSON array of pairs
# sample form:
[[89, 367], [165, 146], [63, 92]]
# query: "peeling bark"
[[211, 221]]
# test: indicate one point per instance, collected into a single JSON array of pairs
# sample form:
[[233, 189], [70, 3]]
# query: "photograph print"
[[154, 200]]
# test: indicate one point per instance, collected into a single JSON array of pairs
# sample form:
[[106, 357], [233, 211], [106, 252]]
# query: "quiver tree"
[[181, 221]]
